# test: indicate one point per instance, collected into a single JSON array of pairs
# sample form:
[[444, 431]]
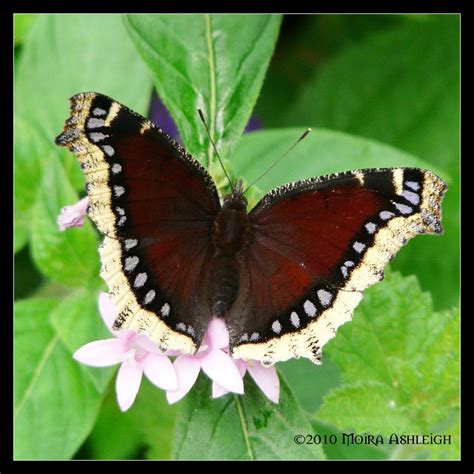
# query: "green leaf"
[[310, 382], [115, 434], [155, 419], [56, 402], [306, 43], [145, 429], [241, 427], [367, 406], [67, 54], [20, 232], [213, 62], [77, 321], [408, 100], [399, 362], [30, 314], [438, 365], [22, 24], [69, 257], [32, 152], [27, 278], [401, 87]]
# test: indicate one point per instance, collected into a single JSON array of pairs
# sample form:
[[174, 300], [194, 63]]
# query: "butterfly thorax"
[[231, 226]]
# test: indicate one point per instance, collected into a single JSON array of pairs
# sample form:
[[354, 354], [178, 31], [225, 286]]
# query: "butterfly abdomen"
[[223, 283]]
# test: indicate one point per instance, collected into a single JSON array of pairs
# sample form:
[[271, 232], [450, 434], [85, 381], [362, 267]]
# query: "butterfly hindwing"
[[155, 205], [316, 245]]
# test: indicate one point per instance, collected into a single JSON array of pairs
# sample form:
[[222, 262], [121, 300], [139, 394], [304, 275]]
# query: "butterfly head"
[[236, 199]]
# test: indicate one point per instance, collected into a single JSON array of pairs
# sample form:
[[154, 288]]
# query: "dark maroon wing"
[[155, 205], [316, 245]]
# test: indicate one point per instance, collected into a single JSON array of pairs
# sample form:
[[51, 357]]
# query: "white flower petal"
[[146, 344], [218, 391], [217, 334], [127, 384], [160, 371], [171, 352], [222, 369], [241, 365], [266, 378], [73, 216], [107, 310], [101, 353], [187, 370]]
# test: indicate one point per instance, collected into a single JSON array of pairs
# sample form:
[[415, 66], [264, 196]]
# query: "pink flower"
[[73, 216], [136, 353], [266, 379], [226, 373], [215, 362]]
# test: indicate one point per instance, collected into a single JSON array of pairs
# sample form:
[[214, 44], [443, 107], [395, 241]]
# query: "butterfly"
[[282, 276]]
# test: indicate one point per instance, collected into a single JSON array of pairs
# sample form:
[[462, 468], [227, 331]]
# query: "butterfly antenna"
[[203, 120], [305, 133]]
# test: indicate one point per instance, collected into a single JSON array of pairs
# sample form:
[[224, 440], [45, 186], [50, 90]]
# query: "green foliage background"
[[377, 91]]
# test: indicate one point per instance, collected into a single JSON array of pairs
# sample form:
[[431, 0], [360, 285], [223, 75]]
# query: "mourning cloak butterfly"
[[283, 276]]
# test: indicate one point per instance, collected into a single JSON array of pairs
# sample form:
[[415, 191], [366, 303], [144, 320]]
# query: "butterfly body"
[[283, 276], [231, 233]]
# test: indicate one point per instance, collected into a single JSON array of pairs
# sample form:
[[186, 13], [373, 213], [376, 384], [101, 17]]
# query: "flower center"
[[135, 354]]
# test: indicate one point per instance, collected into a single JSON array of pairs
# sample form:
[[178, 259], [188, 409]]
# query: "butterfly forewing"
[[156, 206]]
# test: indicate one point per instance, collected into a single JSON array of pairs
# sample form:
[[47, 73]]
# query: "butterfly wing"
[[315, 246], [155, 205]]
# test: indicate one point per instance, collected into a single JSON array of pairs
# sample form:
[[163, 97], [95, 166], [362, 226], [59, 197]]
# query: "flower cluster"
[[137, 355]]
